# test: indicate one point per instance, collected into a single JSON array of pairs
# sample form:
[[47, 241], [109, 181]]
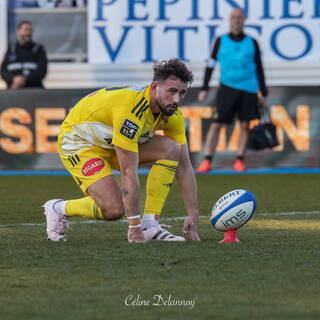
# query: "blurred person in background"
[[241, 77], [25, 62]]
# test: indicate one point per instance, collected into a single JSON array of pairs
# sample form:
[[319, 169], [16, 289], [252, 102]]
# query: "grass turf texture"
[[272, 274]]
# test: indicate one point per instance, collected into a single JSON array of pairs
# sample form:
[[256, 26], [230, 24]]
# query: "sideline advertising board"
[[30, 122]]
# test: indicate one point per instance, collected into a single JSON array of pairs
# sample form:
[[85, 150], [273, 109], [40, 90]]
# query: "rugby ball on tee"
[[233, 210]]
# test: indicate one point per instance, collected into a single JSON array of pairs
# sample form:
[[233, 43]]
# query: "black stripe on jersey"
[[141, 108], [137, 105], [71, 161], [79, 181], [74, 160], [142, 111]]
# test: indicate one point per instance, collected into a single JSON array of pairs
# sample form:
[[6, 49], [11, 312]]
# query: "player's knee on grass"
[[112, 212]]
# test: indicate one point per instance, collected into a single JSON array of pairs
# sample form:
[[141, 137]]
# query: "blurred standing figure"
[[241, 77], [25, 62]]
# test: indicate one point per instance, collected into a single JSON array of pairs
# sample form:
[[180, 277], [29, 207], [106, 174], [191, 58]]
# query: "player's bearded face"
[[166, 109], [169, 95]]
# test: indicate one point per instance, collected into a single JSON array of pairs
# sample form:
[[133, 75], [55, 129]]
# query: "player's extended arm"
[[128, 162], [188, 188]]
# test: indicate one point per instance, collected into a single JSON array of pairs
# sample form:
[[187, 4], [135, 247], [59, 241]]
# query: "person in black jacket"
[[25, 62], [241, 78]]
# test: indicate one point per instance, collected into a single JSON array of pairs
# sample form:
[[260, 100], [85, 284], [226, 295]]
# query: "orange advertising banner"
[[30, 122]]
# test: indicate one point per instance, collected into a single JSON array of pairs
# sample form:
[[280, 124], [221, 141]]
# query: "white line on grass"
[[293, 213]]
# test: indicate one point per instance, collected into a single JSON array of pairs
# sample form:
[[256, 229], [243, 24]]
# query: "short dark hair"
[[21, 23], [162, 70]]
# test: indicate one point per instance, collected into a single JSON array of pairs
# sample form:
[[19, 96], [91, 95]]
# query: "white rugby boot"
[[160, 234], [56, 223]]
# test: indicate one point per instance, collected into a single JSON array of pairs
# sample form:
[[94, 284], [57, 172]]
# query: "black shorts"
[[232, 101]]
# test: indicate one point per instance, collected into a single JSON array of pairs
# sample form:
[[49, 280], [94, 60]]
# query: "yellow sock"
[[158, 185], [85, 207]]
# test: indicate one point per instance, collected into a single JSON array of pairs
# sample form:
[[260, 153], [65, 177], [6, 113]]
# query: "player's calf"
[[112, 211]]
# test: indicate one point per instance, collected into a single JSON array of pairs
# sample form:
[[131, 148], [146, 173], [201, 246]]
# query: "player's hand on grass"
[[135, 235], [191, 227]]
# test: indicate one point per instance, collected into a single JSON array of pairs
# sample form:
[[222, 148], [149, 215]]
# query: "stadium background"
[[272, 274], [115, 42]]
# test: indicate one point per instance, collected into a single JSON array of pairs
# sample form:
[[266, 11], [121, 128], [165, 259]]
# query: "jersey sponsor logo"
[[129, 129], [92, 166]]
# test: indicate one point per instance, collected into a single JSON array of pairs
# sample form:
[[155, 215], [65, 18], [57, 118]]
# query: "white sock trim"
[[149, 216], [149, 221], [60, 207]]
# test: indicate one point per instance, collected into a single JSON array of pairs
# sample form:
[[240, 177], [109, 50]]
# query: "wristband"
[[135, 227], [134, 217]]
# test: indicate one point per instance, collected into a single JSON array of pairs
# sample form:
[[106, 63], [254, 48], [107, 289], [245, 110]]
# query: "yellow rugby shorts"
[[90, 165]]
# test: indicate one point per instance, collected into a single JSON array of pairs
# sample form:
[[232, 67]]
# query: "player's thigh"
[[227, 101], [248, 106], [157, 148], [107, 193], [89, 165], [91, 169]]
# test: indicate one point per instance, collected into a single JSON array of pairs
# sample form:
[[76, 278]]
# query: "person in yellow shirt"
[[115, 128]]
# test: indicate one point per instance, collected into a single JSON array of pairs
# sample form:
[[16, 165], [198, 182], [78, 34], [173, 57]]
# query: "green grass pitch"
[[274, 273]]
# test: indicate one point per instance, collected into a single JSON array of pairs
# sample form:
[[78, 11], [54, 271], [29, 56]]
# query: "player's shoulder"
[[127, 89], [139, 102], [120, 93], [127, 94]]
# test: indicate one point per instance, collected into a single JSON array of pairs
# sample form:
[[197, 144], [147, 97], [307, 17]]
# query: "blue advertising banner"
[[141, 31]]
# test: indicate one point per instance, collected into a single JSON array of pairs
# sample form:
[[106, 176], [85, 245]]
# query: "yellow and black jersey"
[[116, 116]]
